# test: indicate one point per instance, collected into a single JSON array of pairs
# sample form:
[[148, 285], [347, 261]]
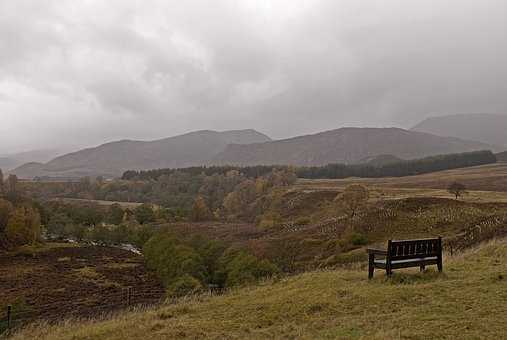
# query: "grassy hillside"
[[490, 177], [467, 301]]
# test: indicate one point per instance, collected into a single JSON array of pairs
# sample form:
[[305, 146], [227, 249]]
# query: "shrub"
[[245, 268], [144, 213], [266, 224], [358, 239], [181, 264], [303, 220], [184, 285], [171, 260]]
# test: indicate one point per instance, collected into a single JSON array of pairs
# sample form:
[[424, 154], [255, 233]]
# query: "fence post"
[[9, 316]]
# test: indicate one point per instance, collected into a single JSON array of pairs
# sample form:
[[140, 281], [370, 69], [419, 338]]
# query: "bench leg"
[[421, 268], [389, 272], [371, 267], [439, 266]]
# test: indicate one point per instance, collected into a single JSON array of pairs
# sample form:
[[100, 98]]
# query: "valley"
[[238, 233], [253, 170]]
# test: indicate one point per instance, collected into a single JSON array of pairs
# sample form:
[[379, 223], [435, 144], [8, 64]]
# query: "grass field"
[[485, 184], [491, 177], [467, 301], [124, 205]]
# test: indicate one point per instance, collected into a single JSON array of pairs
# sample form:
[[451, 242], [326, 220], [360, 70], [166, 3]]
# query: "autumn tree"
[[6, 210], [261, 185], [60, 225], [144, 213], [99, 180], [115, 214], [238, 201], [354, 197], [1, 182], [457, 189], [200, 210], [11, 188], [282, 177], [23, 226]]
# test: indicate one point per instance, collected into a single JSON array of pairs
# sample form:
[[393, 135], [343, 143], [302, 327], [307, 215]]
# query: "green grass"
[[467, 301]]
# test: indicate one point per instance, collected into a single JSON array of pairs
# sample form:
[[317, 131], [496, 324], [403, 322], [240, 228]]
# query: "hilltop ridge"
[[348, 145], [113, 158], [485, 128]]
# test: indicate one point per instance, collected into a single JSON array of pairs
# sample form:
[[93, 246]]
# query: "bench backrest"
[[411, 249]]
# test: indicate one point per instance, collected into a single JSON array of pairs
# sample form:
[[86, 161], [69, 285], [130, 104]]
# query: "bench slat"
[[400, 250]]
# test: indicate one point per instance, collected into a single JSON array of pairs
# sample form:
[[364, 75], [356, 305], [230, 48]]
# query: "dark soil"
[[74, 282]]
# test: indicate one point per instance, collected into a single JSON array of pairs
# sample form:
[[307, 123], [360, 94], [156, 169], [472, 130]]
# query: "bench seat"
[[406, 254], [407, 263]]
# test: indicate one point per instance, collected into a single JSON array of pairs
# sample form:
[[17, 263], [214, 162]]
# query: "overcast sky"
[[80, 73]]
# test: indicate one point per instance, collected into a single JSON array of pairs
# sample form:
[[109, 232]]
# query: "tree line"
[[184, 196], [401, 168], [333, 170], [155, 174]]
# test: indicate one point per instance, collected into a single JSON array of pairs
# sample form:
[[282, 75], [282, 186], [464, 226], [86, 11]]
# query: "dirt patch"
[[75, 281]]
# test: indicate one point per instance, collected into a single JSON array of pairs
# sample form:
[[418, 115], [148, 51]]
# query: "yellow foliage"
[[23, 226]]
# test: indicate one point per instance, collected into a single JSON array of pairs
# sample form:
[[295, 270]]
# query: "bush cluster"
[[188, 266]]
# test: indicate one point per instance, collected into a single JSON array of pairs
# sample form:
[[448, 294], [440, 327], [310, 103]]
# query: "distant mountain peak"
[[113, 158], [347, 145], [487, 128]]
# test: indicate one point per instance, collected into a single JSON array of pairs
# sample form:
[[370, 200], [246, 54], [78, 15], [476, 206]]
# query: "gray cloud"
[[81, 73]]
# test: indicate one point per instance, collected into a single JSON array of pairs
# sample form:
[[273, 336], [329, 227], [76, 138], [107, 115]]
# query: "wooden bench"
[[405, 254]]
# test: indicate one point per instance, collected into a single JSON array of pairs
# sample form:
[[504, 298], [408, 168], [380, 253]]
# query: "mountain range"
[[345, 145], [248, 147], [11, 161], [485, 128], [112, 159]]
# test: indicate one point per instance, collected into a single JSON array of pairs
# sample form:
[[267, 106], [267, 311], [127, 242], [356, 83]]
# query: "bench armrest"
[[376, 251]]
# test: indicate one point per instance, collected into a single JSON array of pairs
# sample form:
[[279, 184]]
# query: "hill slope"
[[466, 302], [501, 156], [11, 161], [486, 128], [380, 160], [112, 159], [345, 145]]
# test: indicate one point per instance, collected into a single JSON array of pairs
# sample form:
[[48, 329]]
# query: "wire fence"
[[16, 315]]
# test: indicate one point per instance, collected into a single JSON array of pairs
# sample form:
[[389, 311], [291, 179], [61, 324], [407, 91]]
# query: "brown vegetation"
[[62, 280]]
